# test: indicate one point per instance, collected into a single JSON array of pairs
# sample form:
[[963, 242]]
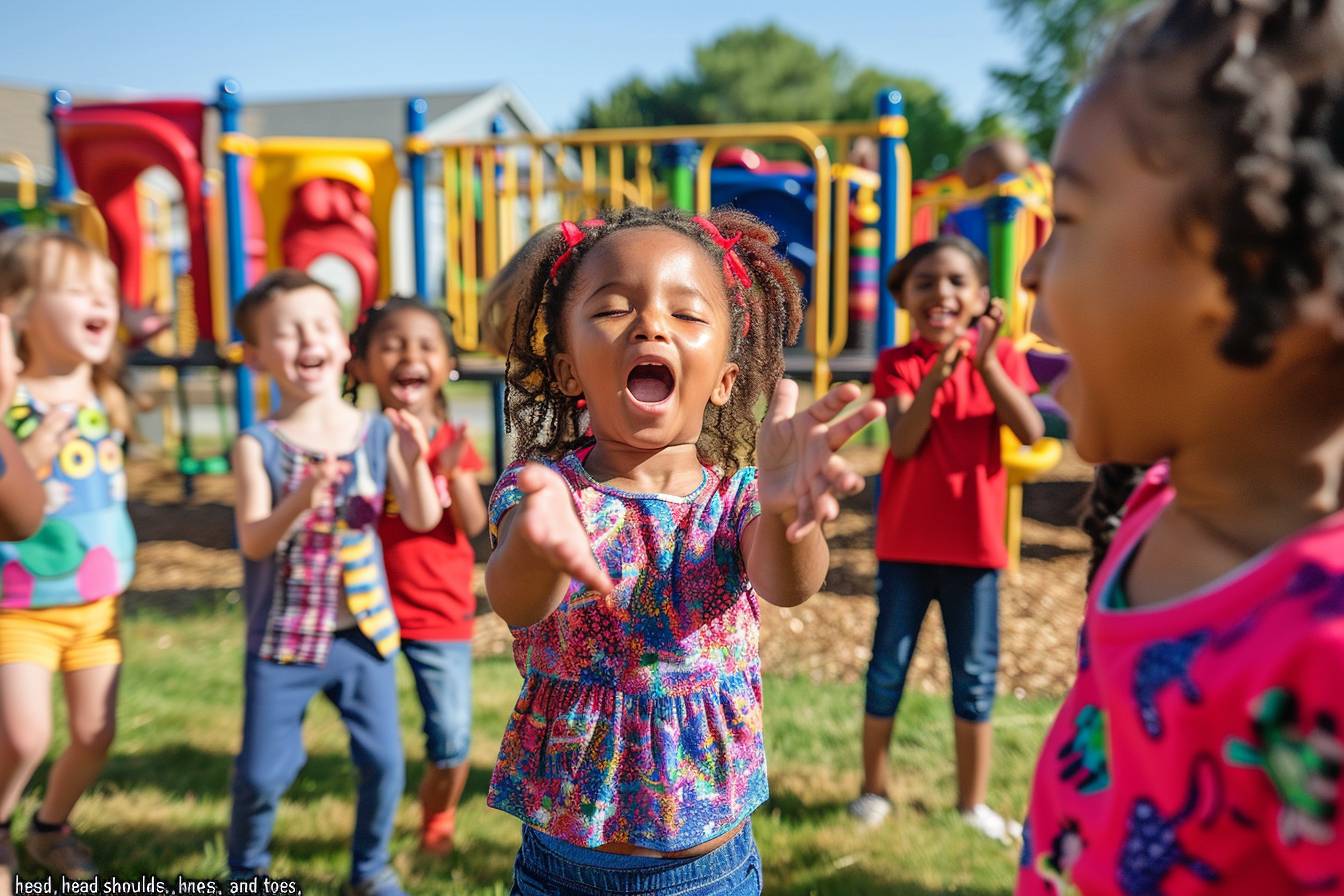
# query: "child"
[[405, 350], [941, 511], [310, 484], [20, 492], [629, 561], [61, 587], [993, 159], [1196, 275]]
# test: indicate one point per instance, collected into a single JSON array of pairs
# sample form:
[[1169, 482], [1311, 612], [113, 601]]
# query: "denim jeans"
[[548, 866], [363, 687], [969, 600], [442, 671]]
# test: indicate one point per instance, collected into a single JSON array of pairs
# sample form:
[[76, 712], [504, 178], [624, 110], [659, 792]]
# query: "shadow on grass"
[[207, 525], [1055, 502], [184, 770], [809, 871], [180, 602]]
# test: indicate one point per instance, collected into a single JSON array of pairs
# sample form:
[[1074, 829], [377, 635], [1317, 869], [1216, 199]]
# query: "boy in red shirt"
[[941, 511], [405, 350]]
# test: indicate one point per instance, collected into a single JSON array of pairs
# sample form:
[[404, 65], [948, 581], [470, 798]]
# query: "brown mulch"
[[188, 546]]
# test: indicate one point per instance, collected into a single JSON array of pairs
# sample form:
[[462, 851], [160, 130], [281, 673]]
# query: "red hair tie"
[[573, 235], [735, 273]]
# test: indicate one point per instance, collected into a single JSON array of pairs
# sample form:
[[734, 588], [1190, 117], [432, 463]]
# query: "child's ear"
[[566, 376], [359, 369], [252, 358], [723, 389]]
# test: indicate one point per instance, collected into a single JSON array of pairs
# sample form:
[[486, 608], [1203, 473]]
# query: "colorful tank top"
[[639, 720], [85, 550]]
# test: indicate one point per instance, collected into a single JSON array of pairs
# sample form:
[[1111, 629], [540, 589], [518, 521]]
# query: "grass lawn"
[[162, 803]]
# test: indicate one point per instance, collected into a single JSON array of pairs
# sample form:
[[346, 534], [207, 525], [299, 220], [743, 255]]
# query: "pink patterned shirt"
[[1199, 749]]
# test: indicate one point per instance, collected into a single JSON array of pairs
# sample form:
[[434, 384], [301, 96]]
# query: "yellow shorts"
[[65, 638]]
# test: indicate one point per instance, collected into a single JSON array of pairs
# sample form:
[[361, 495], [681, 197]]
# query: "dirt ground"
[[188, 547]]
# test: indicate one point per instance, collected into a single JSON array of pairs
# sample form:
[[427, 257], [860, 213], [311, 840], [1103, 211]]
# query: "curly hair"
[[549, 423], [1112, 484], [1257, 88]]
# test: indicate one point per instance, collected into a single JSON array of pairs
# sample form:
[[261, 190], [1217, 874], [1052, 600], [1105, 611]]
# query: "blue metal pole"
[[63, 181], [230, 106], [415, 160], [891, 120]]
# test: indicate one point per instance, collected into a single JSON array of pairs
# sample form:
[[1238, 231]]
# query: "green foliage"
[[769, 74], [1064, 39]]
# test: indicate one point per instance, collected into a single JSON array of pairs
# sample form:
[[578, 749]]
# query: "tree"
[[769, 74], [1064, 39]]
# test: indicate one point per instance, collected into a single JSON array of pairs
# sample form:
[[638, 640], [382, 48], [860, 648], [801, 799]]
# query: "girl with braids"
[[404, 349], [1196, 274], [629, 560]]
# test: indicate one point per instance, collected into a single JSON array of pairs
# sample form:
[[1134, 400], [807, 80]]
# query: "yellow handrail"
[[27, 185]]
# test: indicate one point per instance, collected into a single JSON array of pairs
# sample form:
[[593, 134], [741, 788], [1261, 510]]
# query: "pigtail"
[[1112, 484]]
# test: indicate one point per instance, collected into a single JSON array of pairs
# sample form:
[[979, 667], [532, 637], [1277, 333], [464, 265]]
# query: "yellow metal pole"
[[489, 215], [536, 180], [904, 168], [452, 266], [467, 197], [644, 173], [588, 159], [508, 231], [27, 188], [840, 265], [616, 175], [821, 242]]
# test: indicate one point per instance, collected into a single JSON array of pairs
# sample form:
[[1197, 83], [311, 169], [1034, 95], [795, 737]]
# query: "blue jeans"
[[442, 671], [548, 866], [363, 687], [969, 600]]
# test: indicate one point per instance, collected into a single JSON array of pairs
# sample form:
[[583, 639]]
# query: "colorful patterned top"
[[85, 550], [294, 596], [639, 720], [1199, 749]]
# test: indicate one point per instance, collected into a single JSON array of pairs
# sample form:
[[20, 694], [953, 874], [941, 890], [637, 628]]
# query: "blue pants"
[[548, 866], [442, 671], [969, 600], [363, 687]]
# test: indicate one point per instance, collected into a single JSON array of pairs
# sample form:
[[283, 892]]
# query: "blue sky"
[[558, 54]]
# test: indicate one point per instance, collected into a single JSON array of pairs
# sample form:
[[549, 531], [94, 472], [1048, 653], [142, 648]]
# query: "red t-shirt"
[[429, 573], [946, 504]]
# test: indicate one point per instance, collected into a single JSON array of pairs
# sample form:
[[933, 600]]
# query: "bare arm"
[[1014, 406], [409, 473], [908, 420], [783, 572], [21, 507], [542, 547], [261, 528], [468, 508]]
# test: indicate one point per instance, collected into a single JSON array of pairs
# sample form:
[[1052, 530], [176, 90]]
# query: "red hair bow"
[[573, 235], [735, 273]]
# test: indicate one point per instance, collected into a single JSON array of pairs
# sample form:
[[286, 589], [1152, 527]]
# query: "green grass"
[[162, 804]]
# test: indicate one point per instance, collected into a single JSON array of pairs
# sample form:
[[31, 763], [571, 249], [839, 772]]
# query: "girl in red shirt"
[[404, 349], [940, 515]]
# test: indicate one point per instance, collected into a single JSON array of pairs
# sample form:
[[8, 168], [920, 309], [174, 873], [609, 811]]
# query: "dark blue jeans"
[[548, 866], [969, 600], [442, 671], [363, 687]]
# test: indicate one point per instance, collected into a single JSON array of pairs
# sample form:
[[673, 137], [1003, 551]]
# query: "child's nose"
[[650, 324]]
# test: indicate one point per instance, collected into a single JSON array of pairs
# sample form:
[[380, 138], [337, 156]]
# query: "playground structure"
[[286, 200]]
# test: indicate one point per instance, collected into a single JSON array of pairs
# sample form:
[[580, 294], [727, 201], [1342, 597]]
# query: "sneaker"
[[384, 883], [9, 863], [992, 824], [61, 852], [870, 809]]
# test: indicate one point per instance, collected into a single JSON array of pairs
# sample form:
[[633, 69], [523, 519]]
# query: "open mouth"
[[97, 326], [311, 366], [651, 382], [409, 386], [940, 317]]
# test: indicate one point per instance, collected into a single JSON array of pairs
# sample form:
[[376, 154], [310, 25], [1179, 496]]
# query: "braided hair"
[[1256, 87], [764, 318]]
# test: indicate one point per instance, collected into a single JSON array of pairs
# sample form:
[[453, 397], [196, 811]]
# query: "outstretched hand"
[[411, 438], [798, 468], [548, 524], [988, 326]]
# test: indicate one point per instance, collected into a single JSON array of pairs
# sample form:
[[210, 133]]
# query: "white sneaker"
[[870, 809], [992, 824]]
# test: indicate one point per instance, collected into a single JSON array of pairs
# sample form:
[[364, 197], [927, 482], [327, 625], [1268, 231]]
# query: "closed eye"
[[611, 312], [686, 315]]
